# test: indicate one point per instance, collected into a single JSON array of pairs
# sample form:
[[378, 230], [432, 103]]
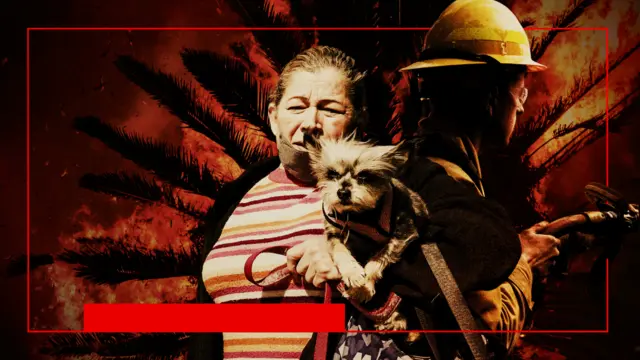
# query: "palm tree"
[[165, 346], [241, 88]]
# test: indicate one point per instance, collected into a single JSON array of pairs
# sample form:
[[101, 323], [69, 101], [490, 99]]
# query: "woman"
[[275, 202]]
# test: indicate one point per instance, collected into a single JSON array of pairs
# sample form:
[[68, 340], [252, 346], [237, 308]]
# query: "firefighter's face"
[[509, 106]]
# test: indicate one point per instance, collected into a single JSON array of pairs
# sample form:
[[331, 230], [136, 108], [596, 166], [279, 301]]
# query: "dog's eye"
[[363, 176], [332, 174]]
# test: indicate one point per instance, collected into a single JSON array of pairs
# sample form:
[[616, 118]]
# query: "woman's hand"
[[538, 248], [312, 260]]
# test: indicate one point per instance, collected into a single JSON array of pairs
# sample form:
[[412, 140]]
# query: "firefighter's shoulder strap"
[[449, 287]]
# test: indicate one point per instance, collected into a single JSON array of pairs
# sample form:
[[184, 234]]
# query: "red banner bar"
[[194, 318]]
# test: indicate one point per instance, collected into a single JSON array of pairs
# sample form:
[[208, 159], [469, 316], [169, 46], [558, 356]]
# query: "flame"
[[569, 58], [573, 52], [280, 6], [155, 227], [526, 350], [159, 227], [541, 11], [210, 153]]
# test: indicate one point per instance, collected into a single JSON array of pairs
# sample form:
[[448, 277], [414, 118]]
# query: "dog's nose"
[[344, 194]]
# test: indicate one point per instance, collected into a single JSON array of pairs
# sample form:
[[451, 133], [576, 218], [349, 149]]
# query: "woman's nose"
[[311, 120]]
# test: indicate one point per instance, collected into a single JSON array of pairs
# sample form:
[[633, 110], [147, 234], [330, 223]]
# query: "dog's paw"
[[396, 321], [362, 293], [353, 276]]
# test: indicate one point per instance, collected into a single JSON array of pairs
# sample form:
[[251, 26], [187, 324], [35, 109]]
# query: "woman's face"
[[316, 103]]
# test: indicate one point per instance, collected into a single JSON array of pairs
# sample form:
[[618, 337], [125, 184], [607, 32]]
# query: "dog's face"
[[354, 175]]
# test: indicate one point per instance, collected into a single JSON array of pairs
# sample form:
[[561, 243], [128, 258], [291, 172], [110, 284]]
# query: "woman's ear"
[[273, 122]]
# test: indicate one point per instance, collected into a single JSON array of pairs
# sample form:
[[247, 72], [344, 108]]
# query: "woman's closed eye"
[[332, 111], [296, 108]]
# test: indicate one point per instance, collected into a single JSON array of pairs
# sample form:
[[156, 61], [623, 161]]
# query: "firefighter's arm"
[[506, 307]]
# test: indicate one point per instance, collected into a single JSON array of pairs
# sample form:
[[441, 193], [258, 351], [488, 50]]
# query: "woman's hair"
[[321, 57], [468, 95]]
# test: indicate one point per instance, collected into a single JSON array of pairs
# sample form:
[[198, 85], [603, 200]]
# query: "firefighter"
[[471, 74]]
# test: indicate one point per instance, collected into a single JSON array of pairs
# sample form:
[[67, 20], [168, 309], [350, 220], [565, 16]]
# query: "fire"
[[158, 227], [622, 80], [572, 55], [155, 227], [280, 6], [148, 226], [621, 84], [542, 12], [208, 152], [531, 351]]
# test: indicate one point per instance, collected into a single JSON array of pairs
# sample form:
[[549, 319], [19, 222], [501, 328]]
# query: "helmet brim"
[[531, 65]]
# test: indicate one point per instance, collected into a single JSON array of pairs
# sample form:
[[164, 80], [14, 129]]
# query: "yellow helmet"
[[469, 31]]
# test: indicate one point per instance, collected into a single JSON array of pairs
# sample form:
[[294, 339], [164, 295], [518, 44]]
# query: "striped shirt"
[[276, 211]]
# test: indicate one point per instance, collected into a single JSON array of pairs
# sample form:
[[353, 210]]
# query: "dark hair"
[[321, 57]]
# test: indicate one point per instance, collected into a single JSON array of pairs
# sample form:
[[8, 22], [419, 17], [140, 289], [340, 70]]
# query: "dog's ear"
[[396, 155]]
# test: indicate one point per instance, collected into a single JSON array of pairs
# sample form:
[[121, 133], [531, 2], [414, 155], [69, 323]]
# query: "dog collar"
[[381, 232]]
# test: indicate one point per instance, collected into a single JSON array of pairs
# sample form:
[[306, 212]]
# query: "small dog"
[[359, 186]]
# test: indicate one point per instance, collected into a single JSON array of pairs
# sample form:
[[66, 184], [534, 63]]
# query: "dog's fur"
[[364, 173]]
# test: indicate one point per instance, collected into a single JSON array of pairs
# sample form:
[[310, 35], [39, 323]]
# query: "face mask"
[[296, 162]]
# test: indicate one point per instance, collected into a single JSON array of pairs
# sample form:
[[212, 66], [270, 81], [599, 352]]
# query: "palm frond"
[[527, 22], [531, 130], [175, 94], [279, 46], [118, 263], [564, 20], [80, 343], [232, 85], [181, 99], [550, 113], [157, 346], [197, 233], [172, 164], [18, 265], [301, 13], [240, 52], [95, 241], [135, 187], [594, 128]]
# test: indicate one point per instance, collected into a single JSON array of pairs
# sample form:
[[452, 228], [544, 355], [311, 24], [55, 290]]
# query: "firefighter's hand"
[[537, 247]]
